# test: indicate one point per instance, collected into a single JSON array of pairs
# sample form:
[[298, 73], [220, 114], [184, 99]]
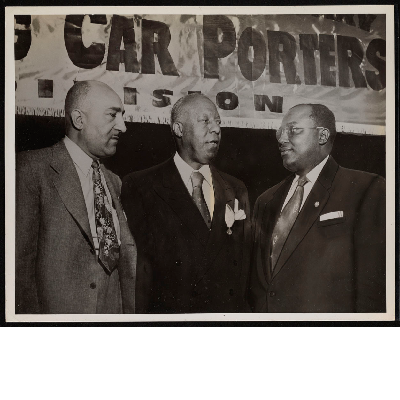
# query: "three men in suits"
[[319, 235], [74, 250], [190, 259]]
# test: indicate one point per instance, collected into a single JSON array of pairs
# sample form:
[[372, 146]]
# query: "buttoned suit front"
[[184, 266], [329, 265], [56, 269]]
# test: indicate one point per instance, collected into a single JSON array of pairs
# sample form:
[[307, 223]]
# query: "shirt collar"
[[185, 170], [79, 157], [313, 175]]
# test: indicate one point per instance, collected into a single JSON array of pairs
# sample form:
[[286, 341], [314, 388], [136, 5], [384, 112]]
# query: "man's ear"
[[177, 127], [77, 119], [323, 136]]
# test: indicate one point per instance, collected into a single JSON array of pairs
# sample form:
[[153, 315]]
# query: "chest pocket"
[[334, 227]]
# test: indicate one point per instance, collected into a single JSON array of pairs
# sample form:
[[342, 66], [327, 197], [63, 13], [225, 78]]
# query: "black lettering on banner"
[[252, 69], [24, 36], [286, 57], [375, 51], [365, 21], [122, 28], [347, 18], [45, 88], [83, 57], [130, 95], [155, 40], [327, 60], [215, 49], [227, 100], [346, 44], [308, 44], [261, 100], [194, 91], [163, 100]]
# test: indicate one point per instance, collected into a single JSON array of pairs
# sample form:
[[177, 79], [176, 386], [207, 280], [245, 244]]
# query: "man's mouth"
[[213, 142], [285, 150]]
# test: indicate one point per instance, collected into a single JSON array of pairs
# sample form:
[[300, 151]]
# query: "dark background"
[[249, 154]]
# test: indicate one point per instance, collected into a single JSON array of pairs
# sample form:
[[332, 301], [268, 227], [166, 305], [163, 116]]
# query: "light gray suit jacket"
[[56, 268]]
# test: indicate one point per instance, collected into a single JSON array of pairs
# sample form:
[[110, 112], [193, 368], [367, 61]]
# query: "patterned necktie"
[[286, 221], [198, 197], [108, 241]]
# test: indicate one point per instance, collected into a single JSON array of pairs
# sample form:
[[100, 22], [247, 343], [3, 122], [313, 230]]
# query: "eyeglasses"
[[293, 130]]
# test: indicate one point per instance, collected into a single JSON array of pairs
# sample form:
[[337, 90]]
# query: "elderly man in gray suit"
[[74, 251]]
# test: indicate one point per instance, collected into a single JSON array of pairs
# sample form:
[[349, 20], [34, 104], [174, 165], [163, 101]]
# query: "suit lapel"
[[174, 192], [319, 195], [125, 235], [68, 185]]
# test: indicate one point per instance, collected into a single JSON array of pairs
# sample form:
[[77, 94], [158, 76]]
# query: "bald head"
[[94, 118], [82, 93]]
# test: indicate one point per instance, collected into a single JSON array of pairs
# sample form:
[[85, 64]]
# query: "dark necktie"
[[108, 241], [198, 197], [286, 221]]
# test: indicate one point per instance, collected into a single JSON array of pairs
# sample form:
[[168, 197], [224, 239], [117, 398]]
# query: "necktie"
[[108, 241], [198, 197], [286, 221]]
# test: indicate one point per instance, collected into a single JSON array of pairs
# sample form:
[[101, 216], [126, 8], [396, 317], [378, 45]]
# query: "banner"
[[254, 67]]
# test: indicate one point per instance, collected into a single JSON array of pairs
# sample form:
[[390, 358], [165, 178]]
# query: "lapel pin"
[[316, 204]]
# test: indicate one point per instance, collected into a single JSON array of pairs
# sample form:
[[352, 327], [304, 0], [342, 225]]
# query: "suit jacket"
[[56, 268], [184, 266], [336, 265]]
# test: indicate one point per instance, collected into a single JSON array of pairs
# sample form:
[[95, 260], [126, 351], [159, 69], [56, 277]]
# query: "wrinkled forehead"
[[297, 115]]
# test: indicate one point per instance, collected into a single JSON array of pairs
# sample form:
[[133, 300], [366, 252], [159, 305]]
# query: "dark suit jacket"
[[185, 267], [337, 265], [56, 270]]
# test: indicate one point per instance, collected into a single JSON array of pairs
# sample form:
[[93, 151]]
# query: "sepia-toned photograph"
[[200, 164]]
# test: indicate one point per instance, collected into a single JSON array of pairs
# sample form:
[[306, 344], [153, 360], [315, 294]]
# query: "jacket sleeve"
[[370, 249], [136, 214], [26, 237]]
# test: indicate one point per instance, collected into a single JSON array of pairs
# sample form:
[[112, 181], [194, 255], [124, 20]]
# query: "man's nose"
[[215, 127], [120, 125], [281, 135]]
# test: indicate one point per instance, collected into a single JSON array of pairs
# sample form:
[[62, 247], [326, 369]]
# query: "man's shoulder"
[[357, 177], [38, 155], [267, 194], [35, 158], [231, 180], [148, 175]]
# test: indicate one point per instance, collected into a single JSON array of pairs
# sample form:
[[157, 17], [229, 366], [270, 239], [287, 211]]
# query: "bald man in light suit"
[[74, 251]]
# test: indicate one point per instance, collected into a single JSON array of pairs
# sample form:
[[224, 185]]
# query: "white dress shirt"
[[312, 177], [83, 165], [185, 171]]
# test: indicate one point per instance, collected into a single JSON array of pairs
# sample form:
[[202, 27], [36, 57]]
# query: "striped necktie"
[[198, 197]]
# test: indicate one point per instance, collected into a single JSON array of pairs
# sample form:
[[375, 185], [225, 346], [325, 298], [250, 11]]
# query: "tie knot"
[[302, 181], [96, 164], [197, 178]]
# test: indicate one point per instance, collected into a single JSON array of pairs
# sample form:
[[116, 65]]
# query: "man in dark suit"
[[319, 235], [74, 251], [191, 260]]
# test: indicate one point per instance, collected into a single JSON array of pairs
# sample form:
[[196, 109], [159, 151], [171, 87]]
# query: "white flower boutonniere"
[[233, 215]]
